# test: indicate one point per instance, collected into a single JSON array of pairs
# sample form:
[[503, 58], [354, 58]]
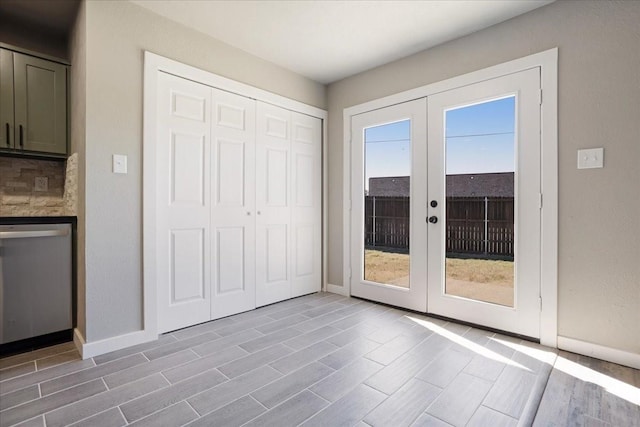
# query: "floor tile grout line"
[[186, 350], [240, 397], [37, 358], [59, 391], [54, 378], [59, 364], [129, 354], [107, 390], [40, 382], [83, 370], [146, 416], [123, 403], [35, 369], [21, 403], [192, 408], [94, 395], [85, 418], [499, 411], [316, 394], [254, 399], [224, 337], [122, 414]]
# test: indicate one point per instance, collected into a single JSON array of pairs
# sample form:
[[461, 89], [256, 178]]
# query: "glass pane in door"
[[387, 185], [480, 197]]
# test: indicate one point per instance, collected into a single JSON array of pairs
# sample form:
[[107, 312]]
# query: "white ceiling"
[[329, 40]]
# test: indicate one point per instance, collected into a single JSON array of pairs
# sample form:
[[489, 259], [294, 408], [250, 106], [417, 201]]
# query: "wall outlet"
[[41, 183]]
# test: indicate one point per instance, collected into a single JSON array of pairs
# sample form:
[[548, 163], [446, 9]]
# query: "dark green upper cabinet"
[[33, 105]]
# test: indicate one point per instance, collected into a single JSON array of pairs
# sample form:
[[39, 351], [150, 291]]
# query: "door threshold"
[[459, 322]]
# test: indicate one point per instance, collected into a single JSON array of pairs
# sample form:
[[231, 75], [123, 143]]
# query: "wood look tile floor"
[[319, 360]]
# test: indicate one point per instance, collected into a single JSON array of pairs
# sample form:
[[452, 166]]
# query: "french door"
[[445, 214], [389, 249], [484, 203]]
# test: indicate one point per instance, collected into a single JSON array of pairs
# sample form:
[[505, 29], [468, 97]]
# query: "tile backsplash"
[[18, 195]]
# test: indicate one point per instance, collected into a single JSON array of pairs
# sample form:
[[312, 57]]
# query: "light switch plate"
[[591, 158], [41, 183], [119, 163]]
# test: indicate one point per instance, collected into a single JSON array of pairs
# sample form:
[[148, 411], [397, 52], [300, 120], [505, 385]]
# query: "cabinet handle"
[[8, 135], [21, 140]]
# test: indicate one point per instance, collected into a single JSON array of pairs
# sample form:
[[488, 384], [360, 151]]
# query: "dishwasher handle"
[[35, 233]]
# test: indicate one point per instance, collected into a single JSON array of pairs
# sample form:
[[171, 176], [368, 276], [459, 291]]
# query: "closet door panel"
[[183, 203], [273, 199], [306, 163], [187, 260], [277, 249], [230, 266], [233, 208]]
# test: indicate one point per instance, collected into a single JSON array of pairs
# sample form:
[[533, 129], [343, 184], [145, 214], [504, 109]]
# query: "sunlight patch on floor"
[[476, 348], [614, 386]]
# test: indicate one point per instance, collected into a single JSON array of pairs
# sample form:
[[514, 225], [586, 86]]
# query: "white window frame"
[[548, 63]]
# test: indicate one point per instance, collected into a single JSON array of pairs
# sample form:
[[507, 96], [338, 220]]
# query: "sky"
[[479, 139]]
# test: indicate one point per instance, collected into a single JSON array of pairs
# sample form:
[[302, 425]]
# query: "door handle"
[[8, 135], [21, 138], [433, 219], [31, 234]]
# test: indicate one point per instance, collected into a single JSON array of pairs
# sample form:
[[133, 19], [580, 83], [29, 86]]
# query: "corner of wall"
[[77, 134]]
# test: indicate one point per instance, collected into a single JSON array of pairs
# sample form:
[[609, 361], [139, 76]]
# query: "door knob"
[[434, 203], [433, 219]]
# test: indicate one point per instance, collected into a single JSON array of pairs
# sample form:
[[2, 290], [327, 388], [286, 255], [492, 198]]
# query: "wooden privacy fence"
[[475, 225], [386, 221]]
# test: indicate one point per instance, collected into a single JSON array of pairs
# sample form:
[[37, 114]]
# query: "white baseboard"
[[96, 348], [600, 352], [335, 289]]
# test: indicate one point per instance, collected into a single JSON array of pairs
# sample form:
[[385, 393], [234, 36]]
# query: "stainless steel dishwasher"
[[35, 280]]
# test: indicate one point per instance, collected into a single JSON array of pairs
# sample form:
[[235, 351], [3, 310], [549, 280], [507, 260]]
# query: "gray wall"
[[32, 37], [117, 34], [599, 106], [77, 137]]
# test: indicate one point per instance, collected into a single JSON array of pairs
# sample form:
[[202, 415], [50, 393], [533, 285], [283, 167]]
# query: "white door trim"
[[548, 62], [153, 64]]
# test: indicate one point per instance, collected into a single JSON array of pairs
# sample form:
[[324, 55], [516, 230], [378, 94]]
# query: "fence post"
[[486, 225], [373, 220]]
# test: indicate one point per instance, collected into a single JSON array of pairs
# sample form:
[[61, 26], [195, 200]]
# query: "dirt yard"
[[484, 280]]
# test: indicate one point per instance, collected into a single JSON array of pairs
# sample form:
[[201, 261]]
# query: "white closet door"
[[233, 204], [183, 202], [273, 202], [306, 206]]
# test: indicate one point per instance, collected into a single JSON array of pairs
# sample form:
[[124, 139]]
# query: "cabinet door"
[[6, 99], [40, 105]]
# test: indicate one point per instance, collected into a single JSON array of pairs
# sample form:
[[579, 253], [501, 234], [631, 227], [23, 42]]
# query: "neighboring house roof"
[[499, 184], [390, 186], [481, 185]]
